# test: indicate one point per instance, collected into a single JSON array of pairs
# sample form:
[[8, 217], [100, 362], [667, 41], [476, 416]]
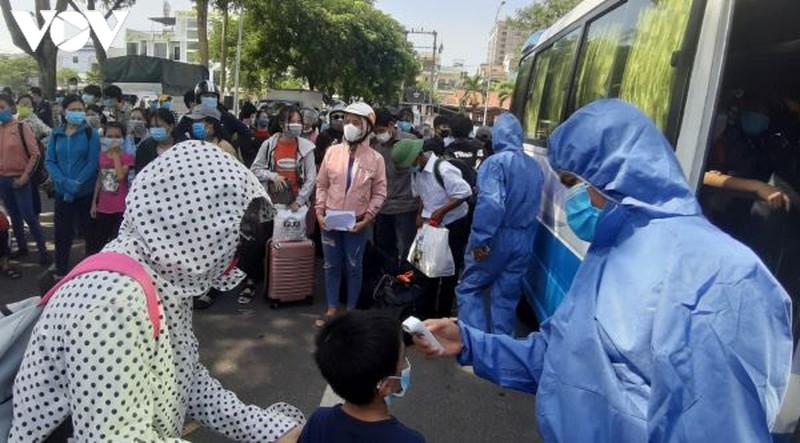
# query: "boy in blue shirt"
[[362, 356]]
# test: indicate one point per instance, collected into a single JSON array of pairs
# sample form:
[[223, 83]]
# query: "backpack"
[[467, 173], [39, 173], [17, 321]]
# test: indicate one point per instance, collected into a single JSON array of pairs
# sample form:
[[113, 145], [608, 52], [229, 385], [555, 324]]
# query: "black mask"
[[445, 133]]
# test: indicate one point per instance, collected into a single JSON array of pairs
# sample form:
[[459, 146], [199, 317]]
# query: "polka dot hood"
[[183, 215], [92, 358]]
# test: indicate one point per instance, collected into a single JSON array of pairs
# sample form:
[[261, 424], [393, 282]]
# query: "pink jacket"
[[367, 190], [14, 160]]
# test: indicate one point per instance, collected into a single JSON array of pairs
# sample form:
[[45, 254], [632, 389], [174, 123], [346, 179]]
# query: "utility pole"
[[489, 67], [238, 64], [433, 48]]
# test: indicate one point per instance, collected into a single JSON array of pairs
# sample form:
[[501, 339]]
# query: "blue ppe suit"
[[509, 199], [672, 331]]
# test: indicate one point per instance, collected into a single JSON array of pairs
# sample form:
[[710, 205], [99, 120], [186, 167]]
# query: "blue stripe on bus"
[[551, 273]]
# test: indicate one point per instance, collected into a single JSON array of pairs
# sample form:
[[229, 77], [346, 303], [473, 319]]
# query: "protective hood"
[[617, 149], [506, 133], [183, 216]]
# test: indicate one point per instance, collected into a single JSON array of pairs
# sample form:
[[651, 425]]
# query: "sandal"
[[249, 290], [323, 320], [12, 273]]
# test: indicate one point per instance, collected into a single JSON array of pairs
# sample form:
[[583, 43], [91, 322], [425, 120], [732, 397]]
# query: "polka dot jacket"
[[92, 355]]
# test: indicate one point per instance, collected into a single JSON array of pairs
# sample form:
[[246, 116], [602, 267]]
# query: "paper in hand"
[[340, 220]]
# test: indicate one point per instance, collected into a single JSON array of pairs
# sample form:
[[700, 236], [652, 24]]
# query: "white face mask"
[[352, 132], [383, 137]]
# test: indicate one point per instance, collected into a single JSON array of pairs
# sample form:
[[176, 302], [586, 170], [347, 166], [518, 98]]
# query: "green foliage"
[[65, 74], [344, 47], [472, 86], [16, 72], [541, 15], [504, 90]]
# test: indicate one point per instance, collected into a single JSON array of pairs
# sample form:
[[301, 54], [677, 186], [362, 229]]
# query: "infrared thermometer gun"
[[415, 327]]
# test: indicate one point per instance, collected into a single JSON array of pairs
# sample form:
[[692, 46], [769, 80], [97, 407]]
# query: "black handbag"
[[39, 175]]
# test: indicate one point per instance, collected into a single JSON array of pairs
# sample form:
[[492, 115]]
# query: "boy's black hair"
[[460, 126], [93, 90], [36, 90], [71, 99], [117, 125], [113, 91], [384, 117], [441, 120], [356, 350]]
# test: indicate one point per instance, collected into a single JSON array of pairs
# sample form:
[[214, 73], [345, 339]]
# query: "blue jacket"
[[72, 161], [509, 185], [672, 331]]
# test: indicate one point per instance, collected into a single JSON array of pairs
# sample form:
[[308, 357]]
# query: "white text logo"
[[55, 22]]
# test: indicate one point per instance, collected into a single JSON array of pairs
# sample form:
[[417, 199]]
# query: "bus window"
[[628, 54], [518, 99], [548, 92]]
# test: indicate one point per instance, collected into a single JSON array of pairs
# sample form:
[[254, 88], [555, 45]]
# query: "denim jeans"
[[344, 252], [19, 203], [394, 234], [67, 215]]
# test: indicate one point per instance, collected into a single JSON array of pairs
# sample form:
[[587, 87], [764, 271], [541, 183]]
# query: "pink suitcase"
[[290, 271]]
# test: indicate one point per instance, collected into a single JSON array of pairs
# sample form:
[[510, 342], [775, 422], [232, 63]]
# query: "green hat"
[[406, 151]]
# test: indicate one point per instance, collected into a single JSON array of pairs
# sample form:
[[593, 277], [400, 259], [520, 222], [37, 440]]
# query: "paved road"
[[264, 356]]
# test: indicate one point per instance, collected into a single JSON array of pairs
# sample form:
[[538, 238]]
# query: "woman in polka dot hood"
[[92, 356]]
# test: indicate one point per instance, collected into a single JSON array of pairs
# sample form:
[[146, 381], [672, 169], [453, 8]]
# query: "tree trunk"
[[202, 30], [224, 61], [45, 54]]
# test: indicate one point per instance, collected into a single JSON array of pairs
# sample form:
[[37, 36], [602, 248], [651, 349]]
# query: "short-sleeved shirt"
[[333, 425], [111, 199]]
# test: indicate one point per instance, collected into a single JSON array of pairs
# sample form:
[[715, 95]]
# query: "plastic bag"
[[430, 252], [289, 226]]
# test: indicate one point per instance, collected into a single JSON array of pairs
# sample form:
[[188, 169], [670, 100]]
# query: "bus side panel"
[[551, 273]]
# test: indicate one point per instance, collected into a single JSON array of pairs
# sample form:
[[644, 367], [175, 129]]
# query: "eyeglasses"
[[337, 117]]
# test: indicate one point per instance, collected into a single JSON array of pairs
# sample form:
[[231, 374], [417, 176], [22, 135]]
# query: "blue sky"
[[463, 26]]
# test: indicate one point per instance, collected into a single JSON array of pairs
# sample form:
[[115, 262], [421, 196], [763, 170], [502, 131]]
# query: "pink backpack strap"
[[122, 264]]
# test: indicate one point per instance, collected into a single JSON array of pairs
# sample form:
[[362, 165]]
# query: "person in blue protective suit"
[[672, 331], [501, 242]]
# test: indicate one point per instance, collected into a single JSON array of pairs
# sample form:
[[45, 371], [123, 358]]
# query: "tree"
[[45, 54], [110, 6], [202, 30], [344, 47], [504, 91], [224, 35], [64, 74], [541, 15], [473, 86], [16, 72]]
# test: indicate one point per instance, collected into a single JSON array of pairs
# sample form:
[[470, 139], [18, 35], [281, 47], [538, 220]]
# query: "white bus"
[[696, 67]]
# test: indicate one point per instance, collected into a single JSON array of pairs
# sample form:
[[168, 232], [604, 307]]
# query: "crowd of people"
[[218, 177]]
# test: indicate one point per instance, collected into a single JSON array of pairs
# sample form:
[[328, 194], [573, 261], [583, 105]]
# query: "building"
[[504, 39], [82, 60], [178, 42]]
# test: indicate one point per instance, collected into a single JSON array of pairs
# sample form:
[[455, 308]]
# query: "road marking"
[[329, 398]]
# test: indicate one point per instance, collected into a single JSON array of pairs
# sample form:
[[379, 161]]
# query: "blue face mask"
[[262, 123], [75, 117], [582, 216], [405, 383], [6, 116], [199, 130], [87, 98], [404, 126], [209, 102], [166, 105], [754, 123], [160, 134], [108, 103]]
